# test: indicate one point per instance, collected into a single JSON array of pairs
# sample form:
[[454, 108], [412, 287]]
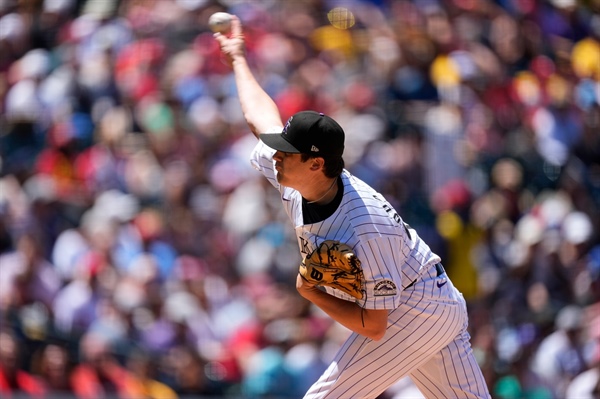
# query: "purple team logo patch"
[[287, 125], [385, 288]]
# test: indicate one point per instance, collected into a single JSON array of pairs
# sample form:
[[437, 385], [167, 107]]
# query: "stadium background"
[[141, 256]]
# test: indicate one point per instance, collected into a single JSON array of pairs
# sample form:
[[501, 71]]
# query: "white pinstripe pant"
[[426, 339]]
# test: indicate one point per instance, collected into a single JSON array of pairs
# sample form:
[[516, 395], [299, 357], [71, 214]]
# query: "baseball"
[[341, 18], [220, 22]]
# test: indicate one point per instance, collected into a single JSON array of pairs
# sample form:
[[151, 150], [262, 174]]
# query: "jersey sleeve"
[[261, 159], [382, 262]]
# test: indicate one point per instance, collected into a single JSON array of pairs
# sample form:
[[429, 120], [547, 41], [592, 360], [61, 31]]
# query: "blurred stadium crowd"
[[142, 257]]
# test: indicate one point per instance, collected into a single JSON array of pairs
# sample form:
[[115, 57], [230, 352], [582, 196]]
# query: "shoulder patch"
[[385, 288]]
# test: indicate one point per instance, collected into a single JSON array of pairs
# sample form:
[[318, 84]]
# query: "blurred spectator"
[[27, 277], [587, 384], [161, 332], [145, 370], [98, 374], [14, 380], [53, 366], [145, 242], [561, 355], [124, 220], [186, 373], [77, 304]]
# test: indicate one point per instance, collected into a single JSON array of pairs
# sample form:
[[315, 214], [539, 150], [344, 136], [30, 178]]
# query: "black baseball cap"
[[308, 132]]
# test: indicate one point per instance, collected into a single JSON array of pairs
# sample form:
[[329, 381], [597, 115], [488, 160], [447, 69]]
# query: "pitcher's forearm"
[[259, 109], [368, 322]]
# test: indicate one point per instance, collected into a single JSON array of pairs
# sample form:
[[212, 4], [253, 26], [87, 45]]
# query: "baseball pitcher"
[[362, 264]]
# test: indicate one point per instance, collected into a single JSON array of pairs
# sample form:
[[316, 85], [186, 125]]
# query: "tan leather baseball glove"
[[334, 264]]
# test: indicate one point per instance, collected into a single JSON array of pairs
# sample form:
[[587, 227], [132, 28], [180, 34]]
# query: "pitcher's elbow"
[[377, 334]]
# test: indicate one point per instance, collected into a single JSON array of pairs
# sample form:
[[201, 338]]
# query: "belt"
[[439, 271]]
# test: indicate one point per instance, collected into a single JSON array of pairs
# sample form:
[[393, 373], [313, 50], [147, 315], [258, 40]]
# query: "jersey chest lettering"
[[304, 249], [394, 215]]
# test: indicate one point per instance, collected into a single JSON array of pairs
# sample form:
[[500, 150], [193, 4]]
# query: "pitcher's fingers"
[[236, 26], [219, 38]]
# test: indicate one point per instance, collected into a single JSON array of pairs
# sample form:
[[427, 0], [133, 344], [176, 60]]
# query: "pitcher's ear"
[[317, 163]]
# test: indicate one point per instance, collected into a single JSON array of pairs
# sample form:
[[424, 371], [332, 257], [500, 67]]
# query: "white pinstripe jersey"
[[392, 255]]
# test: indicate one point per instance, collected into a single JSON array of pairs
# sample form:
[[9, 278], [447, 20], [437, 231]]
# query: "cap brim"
[[277, 142]]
